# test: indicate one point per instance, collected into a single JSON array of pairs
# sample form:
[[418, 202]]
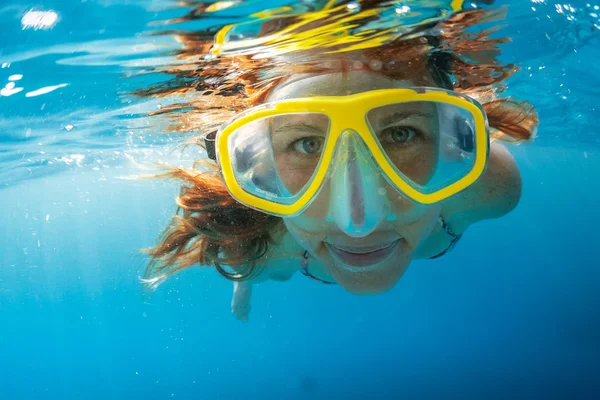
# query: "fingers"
[[241, 311]]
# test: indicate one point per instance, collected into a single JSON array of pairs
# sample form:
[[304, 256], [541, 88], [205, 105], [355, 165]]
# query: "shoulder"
[[494, 195]]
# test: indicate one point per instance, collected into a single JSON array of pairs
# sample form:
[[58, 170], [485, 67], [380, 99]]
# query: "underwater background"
[[512, 312]]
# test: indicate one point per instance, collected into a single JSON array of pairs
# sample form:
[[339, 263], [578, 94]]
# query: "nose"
[[358, 202]]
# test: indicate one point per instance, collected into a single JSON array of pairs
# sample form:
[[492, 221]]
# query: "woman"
[[344, 158]]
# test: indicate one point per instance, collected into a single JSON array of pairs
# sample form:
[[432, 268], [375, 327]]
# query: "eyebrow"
[[399, 116], [299, 127]]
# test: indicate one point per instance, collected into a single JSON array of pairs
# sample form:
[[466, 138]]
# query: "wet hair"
[[210, 227]]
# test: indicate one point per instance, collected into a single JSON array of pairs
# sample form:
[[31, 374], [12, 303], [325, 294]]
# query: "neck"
[[285, 248]]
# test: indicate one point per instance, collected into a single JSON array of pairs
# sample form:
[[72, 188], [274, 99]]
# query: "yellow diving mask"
[[429, 144]]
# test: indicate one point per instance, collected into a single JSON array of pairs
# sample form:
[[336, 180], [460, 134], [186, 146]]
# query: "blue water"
[[512, 312]]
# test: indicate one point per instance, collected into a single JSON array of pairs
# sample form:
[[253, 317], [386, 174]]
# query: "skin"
[[416, 228]]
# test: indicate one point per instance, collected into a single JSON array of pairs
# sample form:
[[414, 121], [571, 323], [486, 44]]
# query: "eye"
[[309, 145], [398, 134]]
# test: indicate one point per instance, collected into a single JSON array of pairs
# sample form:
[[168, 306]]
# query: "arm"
[[242, 291]]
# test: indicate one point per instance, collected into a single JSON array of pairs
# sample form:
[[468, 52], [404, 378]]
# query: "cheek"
[[400, 204], [293, 176], [319, 208], [417, 228], [426, 163], [418, 164], [308, 232]]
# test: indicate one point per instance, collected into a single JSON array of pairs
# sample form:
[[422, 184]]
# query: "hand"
[[240, 303]]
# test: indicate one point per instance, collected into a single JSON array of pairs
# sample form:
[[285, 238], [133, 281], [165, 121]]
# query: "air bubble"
[[402, 10], [375, 65], [353, 6]]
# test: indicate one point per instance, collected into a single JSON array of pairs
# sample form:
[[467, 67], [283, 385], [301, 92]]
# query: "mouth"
[[362, 257]]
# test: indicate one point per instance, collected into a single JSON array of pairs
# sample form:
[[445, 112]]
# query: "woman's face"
[[372, 262]]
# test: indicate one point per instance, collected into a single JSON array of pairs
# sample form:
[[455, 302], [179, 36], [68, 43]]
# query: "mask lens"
[[276, 157], [432, 144]]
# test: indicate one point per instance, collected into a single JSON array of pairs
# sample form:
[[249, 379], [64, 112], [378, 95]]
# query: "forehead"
[[335, 84]]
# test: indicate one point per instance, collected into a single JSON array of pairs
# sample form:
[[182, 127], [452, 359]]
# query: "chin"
[[369, 283], [365, 289], [373, 279]]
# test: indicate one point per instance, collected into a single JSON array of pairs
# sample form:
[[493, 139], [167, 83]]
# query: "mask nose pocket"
[[358, 203]]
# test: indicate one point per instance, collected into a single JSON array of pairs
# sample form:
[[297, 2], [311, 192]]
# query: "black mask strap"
[[209, 142]]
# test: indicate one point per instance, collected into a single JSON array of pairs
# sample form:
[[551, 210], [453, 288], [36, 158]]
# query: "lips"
[[362, 257]]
